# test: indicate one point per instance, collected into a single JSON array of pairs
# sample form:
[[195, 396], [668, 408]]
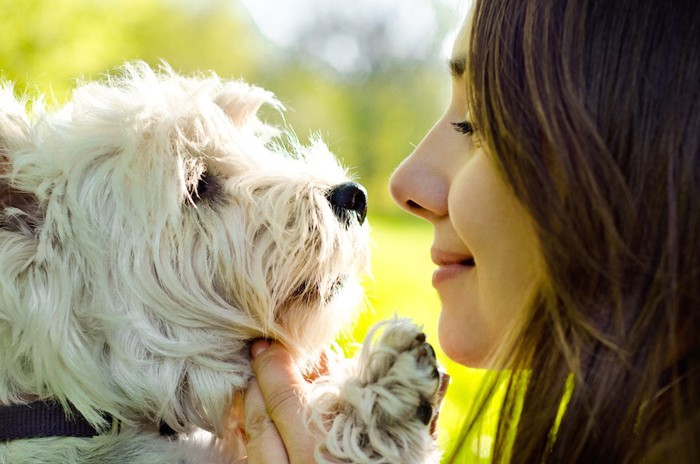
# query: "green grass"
[[402, 270]]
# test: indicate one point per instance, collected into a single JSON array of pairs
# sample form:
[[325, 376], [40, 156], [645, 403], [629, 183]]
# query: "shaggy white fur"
[[149, 230]]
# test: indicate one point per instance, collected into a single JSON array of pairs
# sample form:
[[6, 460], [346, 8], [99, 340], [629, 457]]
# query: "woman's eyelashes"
[[464, 127]]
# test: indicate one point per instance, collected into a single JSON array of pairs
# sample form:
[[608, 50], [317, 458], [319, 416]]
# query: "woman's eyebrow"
[[458, 66]]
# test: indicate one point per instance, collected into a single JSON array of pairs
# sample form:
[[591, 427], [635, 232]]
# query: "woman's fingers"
[[264, 443], [321, 368], [275, 402]]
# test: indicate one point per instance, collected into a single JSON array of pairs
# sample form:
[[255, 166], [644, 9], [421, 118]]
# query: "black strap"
[[42, 419]]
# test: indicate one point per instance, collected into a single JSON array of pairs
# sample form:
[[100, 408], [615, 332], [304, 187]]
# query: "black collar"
[[42, 419]]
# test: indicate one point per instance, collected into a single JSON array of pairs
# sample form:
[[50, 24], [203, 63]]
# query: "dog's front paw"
[[401, 369], [386, 411]]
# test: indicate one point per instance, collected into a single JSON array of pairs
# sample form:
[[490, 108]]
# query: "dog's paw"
[[402, 372], [385, 410]]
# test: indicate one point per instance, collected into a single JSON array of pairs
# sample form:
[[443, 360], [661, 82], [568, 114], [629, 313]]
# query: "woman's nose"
[[419, 185]]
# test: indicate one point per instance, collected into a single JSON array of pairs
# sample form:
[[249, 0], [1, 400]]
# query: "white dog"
[[149, 230]]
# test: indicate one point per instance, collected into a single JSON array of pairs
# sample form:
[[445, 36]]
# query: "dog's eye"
[[203, 188]]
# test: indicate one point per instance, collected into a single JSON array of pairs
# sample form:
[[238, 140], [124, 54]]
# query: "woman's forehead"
[[460, 48]]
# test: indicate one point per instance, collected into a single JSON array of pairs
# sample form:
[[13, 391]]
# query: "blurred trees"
[[370, 117], [47, 44]]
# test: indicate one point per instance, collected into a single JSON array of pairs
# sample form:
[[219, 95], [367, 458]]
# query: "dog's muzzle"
[[347, 200]]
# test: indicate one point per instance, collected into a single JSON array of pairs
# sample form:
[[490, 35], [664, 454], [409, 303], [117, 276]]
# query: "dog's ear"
[[242, 101], [18, 208]]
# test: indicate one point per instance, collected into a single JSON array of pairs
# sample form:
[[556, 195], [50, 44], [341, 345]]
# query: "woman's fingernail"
[[258, 347]]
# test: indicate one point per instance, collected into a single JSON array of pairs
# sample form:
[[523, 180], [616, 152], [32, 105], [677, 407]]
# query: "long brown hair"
[[592, 110]]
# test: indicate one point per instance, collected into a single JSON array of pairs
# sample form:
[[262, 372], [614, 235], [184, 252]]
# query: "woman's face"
[[484, 246]]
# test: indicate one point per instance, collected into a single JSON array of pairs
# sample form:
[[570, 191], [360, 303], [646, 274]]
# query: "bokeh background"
[[369, 76]]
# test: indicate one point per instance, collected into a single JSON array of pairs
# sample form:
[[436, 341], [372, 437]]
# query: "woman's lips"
[[450, 265]]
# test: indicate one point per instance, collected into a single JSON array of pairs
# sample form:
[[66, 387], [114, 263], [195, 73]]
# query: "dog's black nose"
[[348, 198]]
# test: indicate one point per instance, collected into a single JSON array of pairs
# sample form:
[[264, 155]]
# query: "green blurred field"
[[402, 271]]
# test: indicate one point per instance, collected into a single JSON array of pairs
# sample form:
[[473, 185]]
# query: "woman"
[[563, 185]]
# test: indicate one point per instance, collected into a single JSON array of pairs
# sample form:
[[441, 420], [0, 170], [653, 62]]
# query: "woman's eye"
[[464, 127]]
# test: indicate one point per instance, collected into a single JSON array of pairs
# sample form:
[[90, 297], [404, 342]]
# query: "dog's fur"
[[149, 230]]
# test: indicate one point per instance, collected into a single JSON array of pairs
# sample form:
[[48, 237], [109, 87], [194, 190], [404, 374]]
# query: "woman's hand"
[[275, 428]]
